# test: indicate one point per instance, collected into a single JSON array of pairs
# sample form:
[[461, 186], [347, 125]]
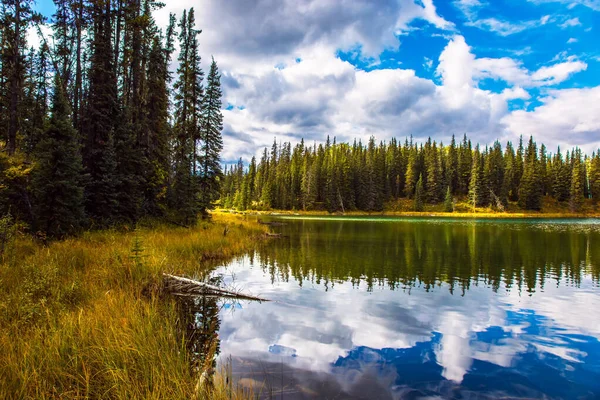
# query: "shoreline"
[[87, 316], [413, 214]]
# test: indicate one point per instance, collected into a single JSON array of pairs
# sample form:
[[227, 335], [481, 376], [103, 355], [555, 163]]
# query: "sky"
[[351, 69]]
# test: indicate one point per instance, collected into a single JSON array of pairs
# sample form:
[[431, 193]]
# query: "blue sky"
[[494, 69]]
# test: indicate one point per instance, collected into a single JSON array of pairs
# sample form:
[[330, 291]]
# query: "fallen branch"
[[271, 223], [180, 286], [274, 235]]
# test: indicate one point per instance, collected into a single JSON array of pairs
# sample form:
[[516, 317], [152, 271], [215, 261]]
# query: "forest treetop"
[[94, 128]]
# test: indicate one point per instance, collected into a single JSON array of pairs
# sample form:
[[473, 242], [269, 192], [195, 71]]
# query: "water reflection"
[[375, 309], [200, 323]]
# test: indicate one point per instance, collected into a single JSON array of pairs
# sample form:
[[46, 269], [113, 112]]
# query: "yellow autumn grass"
[[83, 318], [462, 209]]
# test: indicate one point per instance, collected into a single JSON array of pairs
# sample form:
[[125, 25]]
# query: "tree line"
[[95, 129], [341, 176]]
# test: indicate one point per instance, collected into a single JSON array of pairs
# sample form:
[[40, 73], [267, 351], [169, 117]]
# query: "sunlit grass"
[[86, 318], [462, 209]]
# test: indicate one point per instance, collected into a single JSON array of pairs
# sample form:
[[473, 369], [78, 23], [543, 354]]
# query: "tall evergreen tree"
[[577, 182], [99, 121], [419, 194], [530, 189], [57, 182], [185, 194], [212, 142]]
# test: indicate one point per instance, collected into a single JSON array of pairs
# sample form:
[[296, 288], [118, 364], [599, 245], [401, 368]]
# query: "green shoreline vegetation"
[[550, 209], [430, 176], [97, 134], [85, 317]]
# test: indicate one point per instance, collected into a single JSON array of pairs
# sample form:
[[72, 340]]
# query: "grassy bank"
[[84, 317], [462, 209]]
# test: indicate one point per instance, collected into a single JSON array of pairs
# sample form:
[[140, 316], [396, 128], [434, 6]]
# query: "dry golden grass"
[[83, 318]]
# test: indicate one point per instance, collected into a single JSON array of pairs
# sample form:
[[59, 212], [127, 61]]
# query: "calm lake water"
[[418, 308]]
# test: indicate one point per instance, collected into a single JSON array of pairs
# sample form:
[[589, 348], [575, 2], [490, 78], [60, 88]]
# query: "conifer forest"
[[96, 129], [101, 125], [338, 177]]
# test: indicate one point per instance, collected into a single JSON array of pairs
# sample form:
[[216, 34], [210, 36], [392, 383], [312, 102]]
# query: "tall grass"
[[85, 317]]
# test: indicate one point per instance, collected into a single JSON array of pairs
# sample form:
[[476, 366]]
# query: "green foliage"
[[449, 201], [577, 183], [418, 201], [594, 174], [8, 230], [57, 181], [212, 142], [339, 177]]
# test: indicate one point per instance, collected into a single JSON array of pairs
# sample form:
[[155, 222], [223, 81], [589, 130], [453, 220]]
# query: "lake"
[[387, 308]]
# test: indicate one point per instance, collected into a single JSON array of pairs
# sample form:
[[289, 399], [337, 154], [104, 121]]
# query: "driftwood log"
[[271, 223], [180, 286], [274, 235]]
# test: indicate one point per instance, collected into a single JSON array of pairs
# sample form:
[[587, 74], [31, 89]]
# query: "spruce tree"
[[16, 17], [99, 120], [452, 166], [57, 182], [594, 176], [185, 195], [449, 201], [418, 201], [576, 193], [412, 171], [530, 189], [212, 125]]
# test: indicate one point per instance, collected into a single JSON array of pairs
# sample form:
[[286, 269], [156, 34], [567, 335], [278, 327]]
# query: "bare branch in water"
[[188, 287]]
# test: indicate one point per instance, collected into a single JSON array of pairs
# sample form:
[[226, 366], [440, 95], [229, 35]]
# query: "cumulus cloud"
[[567, 117], [281, 76]]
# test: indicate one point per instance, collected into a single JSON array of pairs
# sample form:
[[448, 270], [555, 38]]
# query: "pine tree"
[[594, 176], [57, 183], [530, 190], [412, 171], [452, 167], [577, 183], [434, 174], [465, 166], [16, 17], [184, 196], [561, 178], [99, 122], [212, 125], [156, 144], [476, 184], [449, 201], [418, 201]]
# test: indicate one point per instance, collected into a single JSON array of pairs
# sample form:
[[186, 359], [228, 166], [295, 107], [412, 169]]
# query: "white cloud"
[[506, 28], [469, 7], [428, 63], [593, 4], [459, 67], [322, 95], [567, 117], [431, 15], [570, 23], [572, 40], [558, 73]]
